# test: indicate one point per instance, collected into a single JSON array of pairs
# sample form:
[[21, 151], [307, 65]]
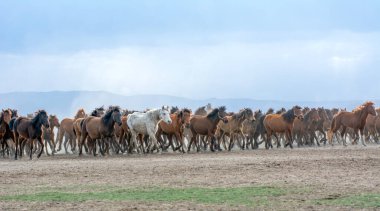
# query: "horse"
[[233, 126], [146, 123], [260, 129], [370, 126], [305, 129], [201, 111], [178, 121], [5, 134], [249, 128], [355, 120], [100, 127], [77, 125], [48, 134], [205, 125], [281, 123], [30, 129], [66, 127]]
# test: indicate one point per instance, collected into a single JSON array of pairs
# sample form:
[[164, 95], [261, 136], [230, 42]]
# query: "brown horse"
[[233, 127], [205, 125], [100, 127], [281, 123], [355, 120], [175, 128], [304, 130], [48, 134], [249, 129], [370, 126], [77, 125], [67, 127], [30, 129]]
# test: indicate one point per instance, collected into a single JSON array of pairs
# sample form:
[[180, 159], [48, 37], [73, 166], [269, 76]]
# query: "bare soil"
[[317, 172]]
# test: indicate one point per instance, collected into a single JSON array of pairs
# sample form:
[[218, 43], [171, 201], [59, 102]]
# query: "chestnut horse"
[[281, 123], [175, 128], [205, 125], [30, 129], [67, 127], [48, 134], [100, 127], [355, 120], [370, 126]]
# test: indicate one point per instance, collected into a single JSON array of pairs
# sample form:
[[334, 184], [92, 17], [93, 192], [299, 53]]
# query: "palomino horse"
[[5, 118], [68, 128], [233, 126], [205, 125], [48, 134], [30, 129], [179, 120], [100, 127], [77, 125], [355, 120], [281, 123], [146, 123]]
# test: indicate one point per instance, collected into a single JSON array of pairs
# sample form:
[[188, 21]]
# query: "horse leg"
[[342, 135], [16, 137], [82, 141], [362, 136], [46, 149], [41, 142]]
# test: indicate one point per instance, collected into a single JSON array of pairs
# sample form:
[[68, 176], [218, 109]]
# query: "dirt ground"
[[323, 172]]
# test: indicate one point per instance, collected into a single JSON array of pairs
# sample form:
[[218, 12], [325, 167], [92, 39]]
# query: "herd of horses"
[[117, 131]]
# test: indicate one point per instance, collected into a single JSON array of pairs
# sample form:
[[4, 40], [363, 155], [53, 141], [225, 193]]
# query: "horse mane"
[[289, 115], [79, 110], [213, 114], [107, 116], [222, 109], [37, 116], [361, 107], [270, 111], [308, 114], [14, 113], [186, 110], [174, 109]]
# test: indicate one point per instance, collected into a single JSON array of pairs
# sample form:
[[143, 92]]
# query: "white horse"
[[146, 124]]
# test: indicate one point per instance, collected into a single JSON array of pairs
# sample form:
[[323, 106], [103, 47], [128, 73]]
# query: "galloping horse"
[[100, 127], [305, 129], [355, 120], [77, 125], [249, 128], [30, 129], [48, 134], [146, 123], [68, 128], [179, 120], [233, 126], [281, 123], [205, 125]]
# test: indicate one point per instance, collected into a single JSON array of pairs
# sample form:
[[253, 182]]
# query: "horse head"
[[297, 111], [185, 116], [7, 115], [53, 121], [43, 118], [116, 114], [165, 114]]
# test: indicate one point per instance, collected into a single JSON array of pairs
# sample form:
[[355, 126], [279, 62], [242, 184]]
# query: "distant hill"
[[65, 104]]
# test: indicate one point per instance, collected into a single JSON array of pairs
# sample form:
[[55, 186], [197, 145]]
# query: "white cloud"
[[270, 70]]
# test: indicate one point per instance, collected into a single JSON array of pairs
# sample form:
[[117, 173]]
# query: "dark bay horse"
[[179, 119], [5, 133], [281, 123], [355, 120], [205, 125], [100, 127], [30, 129]]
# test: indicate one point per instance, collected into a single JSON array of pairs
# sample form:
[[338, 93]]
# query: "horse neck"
[[362, 115], [154, 115], [108, 123]]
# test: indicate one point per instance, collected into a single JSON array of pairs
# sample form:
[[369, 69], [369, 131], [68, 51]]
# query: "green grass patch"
[[358, 201], [249, 196]]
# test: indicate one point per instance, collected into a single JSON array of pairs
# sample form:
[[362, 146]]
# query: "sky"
[[315, 50]]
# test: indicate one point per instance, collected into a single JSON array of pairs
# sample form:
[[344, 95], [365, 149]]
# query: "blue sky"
[[281, 50]]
